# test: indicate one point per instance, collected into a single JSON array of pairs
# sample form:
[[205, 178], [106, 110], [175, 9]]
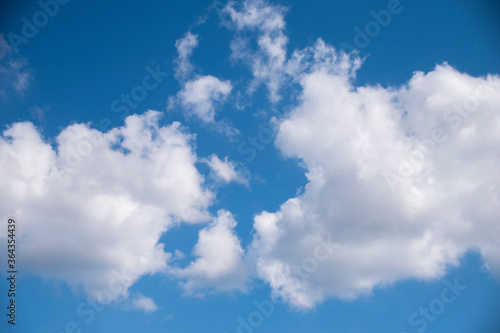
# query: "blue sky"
[[251, 166]]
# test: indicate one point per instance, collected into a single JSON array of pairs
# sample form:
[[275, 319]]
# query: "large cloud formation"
[[404, 180], [92, 205]]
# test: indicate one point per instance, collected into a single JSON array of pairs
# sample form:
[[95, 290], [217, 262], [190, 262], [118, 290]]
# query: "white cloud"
[[93, 204], [185, 47], [351, 141], [404, 180], [322, 57], [225, 170], [143, 303], [269, 60], [256, 14], [13, 71], [219, 263], [200, 96]]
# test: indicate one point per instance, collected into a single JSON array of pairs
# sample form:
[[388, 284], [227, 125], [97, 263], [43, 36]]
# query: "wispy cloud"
[[185, 47], [269, 59], [226, 171], [14, 73]]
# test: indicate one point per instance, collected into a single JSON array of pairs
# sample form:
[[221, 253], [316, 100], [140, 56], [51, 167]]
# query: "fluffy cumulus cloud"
[[226, 171], [91, 206], [200, 96], [403, 180], [14, 73], [219, 261]]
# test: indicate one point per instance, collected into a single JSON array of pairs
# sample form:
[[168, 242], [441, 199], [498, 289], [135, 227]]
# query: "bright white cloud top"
[[403, 180]]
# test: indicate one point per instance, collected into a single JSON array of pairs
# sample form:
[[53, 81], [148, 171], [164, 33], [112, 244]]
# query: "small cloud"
[[178, 255], [38, 112], [268, 60], [225, 170], [200, 96], [22, 81], [13, 71], [185, 47], [143, 303], [219, 264]]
